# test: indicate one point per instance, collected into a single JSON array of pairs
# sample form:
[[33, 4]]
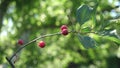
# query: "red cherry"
[[41, 44], [20, 42], [65, 32], [63, 27]]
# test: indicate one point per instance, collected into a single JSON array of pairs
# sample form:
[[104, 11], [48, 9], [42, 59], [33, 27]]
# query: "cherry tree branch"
[[23, 46]]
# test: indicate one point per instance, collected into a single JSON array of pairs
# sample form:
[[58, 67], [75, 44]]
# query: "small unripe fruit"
[[65, 32], [41, 44], [63, 27], [20, 42]]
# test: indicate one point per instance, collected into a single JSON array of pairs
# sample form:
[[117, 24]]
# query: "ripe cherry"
[[65, 32], [41, 44], [63, 27], [20, 41]]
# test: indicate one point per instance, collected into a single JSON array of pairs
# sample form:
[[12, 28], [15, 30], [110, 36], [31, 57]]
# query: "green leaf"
[[83, 14], [87, 41], [112, 39], [86, 30]]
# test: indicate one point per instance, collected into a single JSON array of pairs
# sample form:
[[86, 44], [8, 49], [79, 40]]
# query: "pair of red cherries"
[[41, 43], [64, 31]]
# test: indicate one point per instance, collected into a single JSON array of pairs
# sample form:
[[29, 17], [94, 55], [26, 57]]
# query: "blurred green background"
[[28, 19]]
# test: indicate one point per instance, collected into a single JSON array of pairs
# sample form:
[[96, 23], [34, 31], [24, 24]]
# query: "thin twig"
[[19, 49], [12, 65], [32, 42]]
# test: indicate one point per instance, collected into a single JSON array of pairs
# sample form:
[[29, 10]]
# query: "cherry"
[[20, 41], [63, 27], [41, 44], [65, 32]]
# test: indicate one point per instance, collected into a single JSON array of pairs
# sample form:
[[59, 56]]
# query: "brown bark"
[[3, 9]]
